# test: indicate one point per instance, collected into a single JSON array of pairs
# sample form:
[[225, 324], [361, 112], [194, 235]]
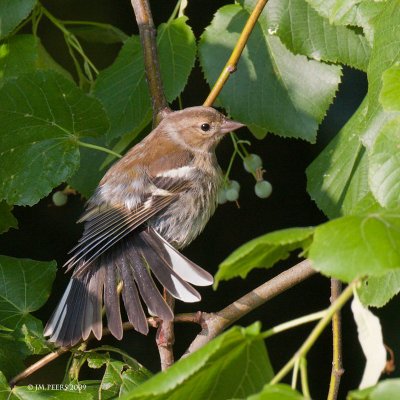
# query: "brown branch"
[[147, 34], [213, 324], [165, 338], [231, 65], [37, 365], [337, 367]]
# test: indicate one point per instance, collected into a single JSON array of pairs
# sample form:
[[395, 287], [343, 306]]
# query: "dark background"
[[47, 232]]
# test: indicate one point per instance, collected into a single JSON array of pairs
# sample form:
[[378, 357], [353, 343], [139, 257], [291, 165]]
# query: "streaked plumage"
[[151, 203]]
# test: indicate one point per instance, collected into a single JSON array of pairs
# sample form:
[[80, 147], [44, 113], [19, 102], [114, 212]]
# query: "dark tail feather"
[[63, 326], [186, 269], [160, 263], [111, 302], [79, 311], [131, 298], [147, 288], [95, 289]]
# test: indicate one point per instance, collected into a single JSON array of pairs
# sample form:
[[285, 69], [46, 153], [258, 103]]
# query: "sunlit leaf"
[[304, 31], [357, 246], [338, 178], [390, 92], [376, 291], [270, 81], [237, 358], [263, 252]]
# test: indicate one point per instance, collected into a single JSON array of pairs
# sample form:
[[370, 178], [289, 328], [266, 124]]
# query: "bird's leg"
[[165, 338]]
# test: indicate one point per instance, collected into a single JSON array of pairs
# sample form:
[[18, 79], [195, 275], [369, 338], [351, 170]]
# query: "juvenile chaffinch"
[[151, 203]]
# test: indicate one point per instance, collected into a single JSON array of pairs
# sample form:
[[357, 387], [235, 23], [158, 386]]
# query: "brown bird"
[[151, 203]]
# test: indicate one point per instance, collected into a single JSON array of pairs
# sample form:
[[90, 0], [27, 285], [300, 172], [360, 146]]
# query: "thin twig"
[[165, 338], [304, 379], [37, 365], [214, 323], [231, 65], [337, 367], [306, 346], [147, 34]]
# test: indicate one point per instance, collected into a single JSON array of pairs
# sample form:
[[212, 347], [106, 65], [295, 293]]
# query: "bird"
[[148, 206]]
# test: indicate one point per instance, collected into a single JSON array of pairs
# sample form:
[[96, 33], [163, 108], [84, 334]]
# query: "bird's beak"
[[228, 126]]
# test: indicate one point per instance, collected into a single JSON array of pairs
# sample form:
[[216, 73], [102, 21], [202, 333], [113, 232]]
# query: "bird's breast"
[[184, 219]]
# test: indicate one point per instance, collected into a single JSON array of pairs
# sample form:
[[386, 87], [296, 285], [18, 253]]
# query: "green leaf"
[[357, 246], [122, 87], [12, 12], [304, 31], [350, 12], [387, 389], [97, 360], [11, 356], [5, 390], [24, 53], [277, 392], [112, 379], [337, 180], [378, 290], [263, 252], [25, 286], [35, 341], [270, 81], [87, 177], [98, 33], [343, 11], [119, 377], [177, 52], [7, 220], [384, 168], [389, 96], [43, 118], [384, 55], [234, 365], [132, 379]]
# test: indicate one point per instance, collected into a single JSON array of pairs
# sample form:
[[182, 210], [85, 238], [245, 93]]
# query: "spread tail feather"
[[130, 261]]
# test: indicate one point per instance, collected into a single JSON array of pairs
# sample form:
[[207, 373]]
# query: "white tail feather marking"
[[54, 337], [56, 317], [184, 294], [184, 268]]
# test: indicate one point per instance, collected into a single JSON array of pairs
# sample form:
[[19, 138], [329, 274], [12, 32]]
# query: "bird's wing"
[[106, 225]]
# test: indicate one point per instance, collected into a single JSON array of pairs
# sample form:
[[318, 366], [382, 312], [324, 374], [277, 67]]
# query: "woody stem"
[[231, 65], [147, 34]]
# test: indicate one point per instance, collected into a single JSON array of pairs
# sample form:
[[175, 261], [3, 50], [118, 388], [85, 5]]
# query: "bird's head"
[[198, 128]]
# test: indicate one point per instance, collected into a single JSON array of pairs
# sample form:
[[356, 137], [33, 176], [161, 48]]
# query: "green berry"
[[263, 189], [59, 198], [252, 162], [233, 185], [221, 196], [232, 194]]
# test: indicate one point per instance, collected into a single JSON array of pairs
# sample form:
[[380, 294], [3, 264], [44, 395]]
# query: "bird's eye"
[[205, 127]]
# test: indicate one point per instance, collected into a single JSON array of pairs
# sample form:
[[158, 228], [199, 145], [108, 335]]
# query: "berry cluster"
[[252, 163]]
